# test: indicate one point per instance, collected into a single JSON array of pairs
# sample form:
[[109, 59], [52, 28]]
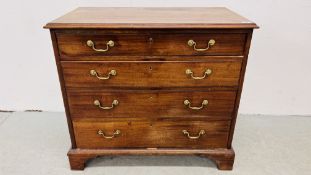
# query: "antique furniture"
[[151, 81]]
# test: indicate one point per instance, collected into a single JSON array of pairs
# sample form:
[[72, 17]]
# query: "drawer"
[[144, 134], [86, 44], [150, 74], [81, 45], [151, 104]]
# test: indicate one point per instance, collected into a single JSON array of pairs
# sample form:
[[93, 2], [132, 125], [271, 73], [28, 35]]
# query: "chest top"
[[152, 18]]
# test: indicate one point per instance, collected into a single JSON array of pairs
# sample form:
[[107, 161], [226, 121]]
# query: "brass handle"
[[210, 43], [116, 132], [204, 103], [114, 103], [91, 44], [185, 132], [111, 73], [206, 73]]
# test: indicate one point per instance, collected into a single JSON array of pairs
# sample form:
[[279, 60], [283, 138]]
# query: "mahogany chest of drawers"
[[151, 81]]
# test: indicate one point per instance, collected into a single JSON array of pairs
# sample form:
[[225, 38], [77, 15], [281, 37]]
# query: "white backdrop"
[[278, 78]]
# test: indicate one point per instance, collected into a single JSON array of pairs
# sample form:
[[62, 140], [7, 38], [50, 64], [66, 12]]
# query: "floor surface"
[[36, 143]]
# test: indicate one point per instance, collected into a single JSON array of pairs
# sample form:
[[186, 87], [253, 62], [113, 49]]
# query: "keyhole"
[[150, 40], [150, 68]]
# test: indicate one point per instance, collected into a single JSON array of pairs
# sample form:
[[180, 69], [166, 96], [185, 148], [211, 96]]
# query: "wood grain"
[[239, 93], [223, 158], [151, 74], [144, 134], [150, 56], [63, 88], [151, 104], [133, 18], [73, 45]]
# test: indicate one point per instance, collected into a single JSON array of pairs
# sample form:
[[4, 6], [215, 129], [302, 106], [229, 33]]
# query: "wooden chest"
[[151, 81]]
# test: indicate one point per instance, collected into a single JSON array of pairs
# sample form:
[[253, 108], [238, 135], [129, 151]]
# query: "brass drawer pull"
[[185, 132], [111, 73], [116, 132], [204, 103], [191, 43], [206, 74], [91, 44], [114, 103]]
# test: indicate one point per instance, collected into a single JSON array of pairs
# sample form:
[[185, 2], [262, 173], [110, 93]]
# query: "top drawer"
[[89, 44]]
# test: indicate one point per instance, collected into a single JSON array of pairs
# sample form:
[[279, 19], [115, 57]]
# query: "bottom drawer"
[[147, 134]]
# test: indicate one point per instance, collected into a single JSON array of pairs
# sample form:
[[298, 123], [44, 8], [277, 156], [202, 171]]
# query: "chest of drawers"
[[151, 81]]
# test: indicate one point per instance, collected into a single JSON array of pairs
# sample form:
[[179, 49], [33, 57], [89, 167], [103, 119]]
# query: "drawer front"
[[199, 44], [76, 45], [81, 44], [151, 104], [140, 134], [151, 74]]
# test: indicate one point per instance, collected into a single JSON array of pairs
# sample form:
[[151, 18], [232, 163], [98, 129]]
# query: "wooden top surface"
[[144, 18]]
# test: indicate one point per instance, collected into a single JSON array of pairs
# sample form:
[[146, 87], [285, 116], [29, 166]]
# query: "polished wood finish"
[[150, 56], [151, 104], [151, 18], [151, 74], [223, 158], [238, 97], [148, 134], [63, 89], [73, 45]]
